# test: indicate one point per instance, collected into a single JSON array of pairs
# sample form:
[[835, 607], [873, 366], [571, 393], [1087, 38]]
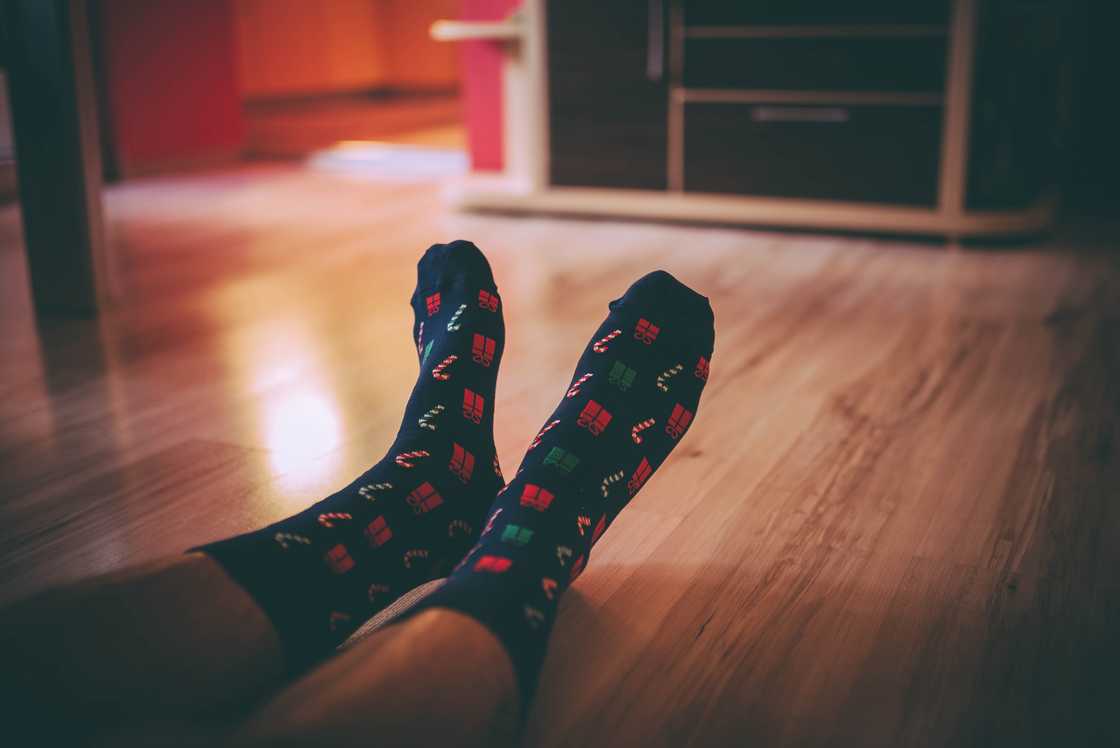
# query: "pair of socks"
[[438, 500]]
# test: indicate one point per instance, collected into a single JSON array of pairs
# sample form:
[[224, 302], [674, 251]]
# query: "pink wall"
[[482, 86], [170, 80]]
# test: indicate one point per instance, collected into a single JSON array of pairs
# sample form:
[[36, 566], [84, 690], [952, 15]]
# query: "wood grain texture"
[[894, 522]]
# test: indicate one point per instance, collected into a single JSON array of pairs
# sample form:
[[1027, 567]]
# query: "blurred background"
[[895, 519], [186, 84], [634, 95]]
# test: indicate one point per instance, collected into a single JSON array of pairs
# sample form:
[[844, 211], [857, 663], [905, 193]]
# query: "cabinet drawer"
[[858, 153], [825, 64], [812, 12]]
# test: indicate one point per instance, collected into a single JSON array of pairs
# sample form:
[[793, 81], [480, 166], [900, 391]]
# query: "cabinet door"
[[608, 93]]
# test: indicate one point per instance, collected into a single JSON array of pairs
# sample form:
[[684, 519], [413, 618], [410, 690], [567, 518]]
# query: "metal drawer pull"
[[799, 114], [511, 29]]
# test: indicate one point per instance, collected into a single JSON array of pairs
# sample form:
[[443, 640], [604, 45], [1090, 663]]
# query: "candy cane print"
[[668, 374], [577, 568], [454, 323], [582, 523], [600, 346], [574, 389], [490, 522], [549, 587], [414, 554], [370, 491], [403, 458], [498, 470], [533, 617], [338, 618], [610, 480], [375, 590], [426, 419], [503, 489], [283, 538], [327, 519], [458, 524], [537, 441], [439, 372], [640, 427], [420, 339], [600, 528]]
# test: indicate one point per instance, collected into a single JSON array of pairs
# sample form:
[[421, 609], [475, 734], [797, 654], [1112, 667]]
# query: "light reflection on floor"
[[298, 427], [379, 161], [297, 413]]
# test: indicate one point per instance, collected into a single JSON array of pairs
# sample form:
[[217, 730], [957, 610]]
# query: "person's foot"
[[634, 394], [321, 573]]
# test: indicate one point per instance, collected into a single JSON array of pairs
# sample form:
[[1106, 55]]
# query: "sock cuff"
[[500, 610], [287, 595]]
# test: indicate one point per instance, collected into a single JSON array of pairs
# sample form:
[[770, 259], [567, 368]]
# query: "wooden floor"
[[895, 522], [296, 128]]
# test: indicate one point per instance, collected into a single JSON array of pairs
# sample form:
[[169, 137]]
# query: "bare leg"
[[151, 654], [175, 638], [439, 678]]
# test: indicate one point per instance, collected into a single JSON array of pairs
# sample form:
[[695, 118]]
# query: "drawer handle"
[[460, 31], [832, 114]]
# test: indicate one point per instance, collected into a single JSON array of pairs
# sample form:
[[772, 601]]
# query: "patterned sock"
[[634, 394], [321, 573]]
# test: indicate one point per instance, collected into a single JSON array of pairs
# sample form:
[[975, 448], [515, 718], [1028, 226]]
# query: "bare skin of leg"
[[173, 639], [439, 678], [172, 652]]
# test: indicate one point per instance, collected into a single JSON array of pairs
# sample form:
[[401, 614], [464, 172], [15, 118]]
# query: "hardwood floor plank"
[[126, 514]]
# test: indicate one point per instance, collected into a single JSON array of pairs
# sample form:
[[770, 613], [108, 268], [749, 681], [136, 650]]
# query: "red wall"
[[482, 86], [170, 80]]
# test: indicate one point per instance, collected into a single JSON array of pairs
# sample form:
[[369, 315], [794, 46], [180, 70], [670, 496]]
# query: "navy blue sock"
[[321, 573], [634, 393]]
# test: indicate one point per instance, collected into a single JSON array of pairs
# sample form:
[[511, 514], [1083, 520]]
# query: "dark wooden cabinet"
[[1017, 143], [813, 12], [877, 154], [931, 116], [608, 95], [752, 102], [887, 64]]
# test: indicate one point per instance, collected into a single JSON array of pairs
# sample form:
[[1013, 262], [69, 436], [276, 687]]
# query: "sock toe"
[[690, 311], [456, 263]]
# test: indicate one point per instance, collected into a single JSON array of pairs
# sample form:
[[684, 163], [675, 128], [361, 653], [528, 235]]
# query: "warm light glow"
[[361, 144], [376, 160], [298, 420], [300, 426]]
